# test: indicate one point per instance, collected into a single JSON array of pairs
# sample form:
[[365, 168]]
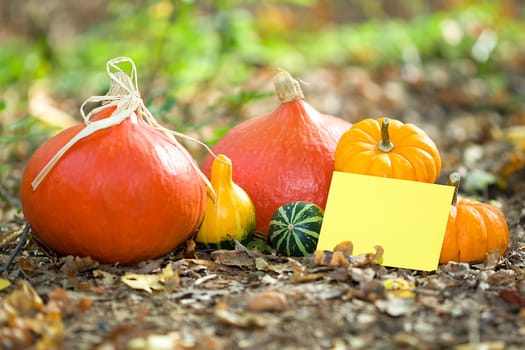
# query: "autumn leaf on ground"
[[32, 322], [300, 274], [495, 345], [400, 287], [242, 320], [167, 280], [233, 258], [173, 340], [340, 256], [72, 267], [395, 306], [4, 284], [267, 301]]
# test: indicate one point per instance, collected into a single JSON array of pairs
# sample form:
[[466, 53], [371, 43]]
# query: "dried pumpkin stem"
[[453, 180], [386, 144], [287, 88]]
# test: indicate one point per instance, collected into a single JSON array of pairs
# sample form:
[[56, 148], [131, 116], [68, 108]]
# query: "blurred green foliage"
[[182, 47], [186, 42]]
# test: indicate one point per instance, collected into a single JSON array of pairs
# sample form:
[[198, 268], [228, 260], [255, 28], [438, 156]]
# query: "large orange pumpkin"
[[474, 230], [123, 194], [389, 148], [284, 156]]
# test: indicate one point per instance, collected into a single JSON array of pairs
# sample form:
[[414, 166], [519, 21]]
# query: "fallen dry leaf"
[[502, 278], [512, 296], [408, 340], [262, 265], [334, 259], [147, 283], [173, 340], [68, 305], [339, 258], [495, 345], [167, 280], [4, 284], [394, 306], [233, 258], [170, 278], [267, 301], [300, 274], [400, 287], [242, 320], [346, 247], [22, 302], [72, 266], [189, 249], [370, 290], [104, 278], [30, 321]]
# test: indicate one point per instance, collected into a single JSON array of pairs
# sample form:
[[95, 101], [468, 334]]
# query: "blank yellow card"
[[407, 218]]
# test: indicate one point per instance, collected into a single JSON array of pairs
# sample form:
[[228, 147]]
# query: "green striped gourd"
[[294, 228]]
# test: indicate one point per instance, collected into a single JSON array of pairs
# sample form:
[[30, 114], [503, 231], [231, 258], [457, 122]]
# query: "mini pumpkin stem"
[[287, 88], [386, 144], [453, 180]]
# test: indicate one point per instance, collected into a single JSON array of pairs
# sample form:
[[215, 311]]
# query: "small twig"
[[17, 249]]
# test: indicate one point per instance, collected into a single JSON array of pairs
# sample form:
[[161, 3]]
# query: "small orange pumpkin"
[[389, 148], [474, 229]]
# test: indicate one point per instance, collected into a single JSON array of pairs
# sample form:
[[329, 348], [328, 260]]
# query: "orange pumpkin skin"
[[124, 194], [414, 155], [474, 229], [283, 156]]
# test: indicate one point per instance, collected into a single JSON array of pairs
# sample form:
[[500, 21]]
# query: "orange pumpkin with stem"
[[389, 148], [119, 188], [474, 229], [284, 156]]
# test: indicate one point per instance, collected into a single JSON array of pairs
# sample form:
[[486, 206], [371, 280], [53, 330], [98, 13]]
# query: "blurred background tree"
[[205, 65]]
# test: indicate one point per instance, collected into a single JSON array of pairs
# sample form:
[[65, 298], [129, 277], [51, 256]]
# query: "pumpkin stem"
[[453, 180], [386, 144], [287, 88]]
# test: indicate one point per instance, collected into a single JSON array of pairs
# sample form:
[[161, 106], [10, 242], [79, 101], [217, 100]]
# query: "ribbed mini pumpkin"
[[284, 156], [474, 230], [123, 192], [388, 148]]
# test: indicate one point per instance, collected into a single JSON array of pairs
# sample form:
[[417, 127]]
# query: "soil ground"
[[243, 299]]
